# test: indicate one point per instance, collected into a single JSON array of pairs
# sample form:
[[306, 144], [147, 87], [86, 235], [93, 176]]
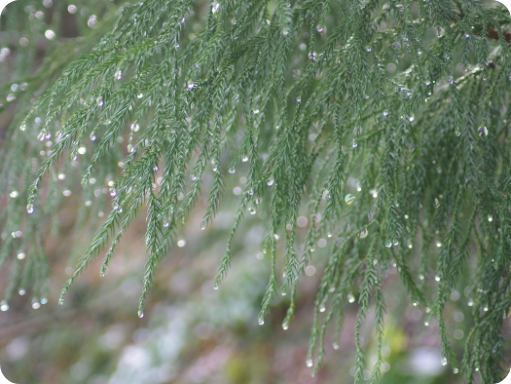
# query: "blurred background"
[[190, 333]]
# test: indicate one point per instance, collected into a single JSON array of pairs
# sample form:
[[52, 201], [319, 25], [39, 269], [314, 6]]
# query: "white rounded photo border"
[[3, 4]]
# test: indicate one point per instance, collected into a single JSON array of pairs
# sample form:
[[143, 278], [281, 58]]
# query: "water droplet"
[[244, 159], [438, 244], [321, 29], [190, 86], [181, 243], [388, 244], [135, 127], [426, 323], [437, 278], [322, 308], [216, 7], [455, 371], [21, 292], [36, 305], [443, 361], [421, 277], [140, 314], [260, 321], [415, 303], [437, 203], [30, 209], [252, 210], [363, 234], [140, 95], [256, 111], [4, 306], [285, 326], [349, 199], [335, 345], [270, 182], [485, 309], [232, 170], [470, 303], [14, 194], [118, 75], [351, 298], [21, 255], [113, 192], [309, 363], [490, 218], [354, 144], [483, 131], [44, 300]]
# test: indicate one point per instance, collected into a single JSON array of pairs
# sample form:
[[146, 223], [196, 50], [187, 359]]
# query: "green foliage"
[[387, 125]]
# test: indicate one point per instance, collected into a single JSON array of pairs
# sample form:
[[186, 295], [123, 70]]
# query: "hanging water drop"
[[244, 158], [443, 361], [135, 127], [118, 75], [309, 363], [285, 325], [321, 29], [232, 170], [483, 131], [140, 314], [351, 298], [363, 234], [349, 199], [269, 182], [388, 244], [30, 209], [4, 306]]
